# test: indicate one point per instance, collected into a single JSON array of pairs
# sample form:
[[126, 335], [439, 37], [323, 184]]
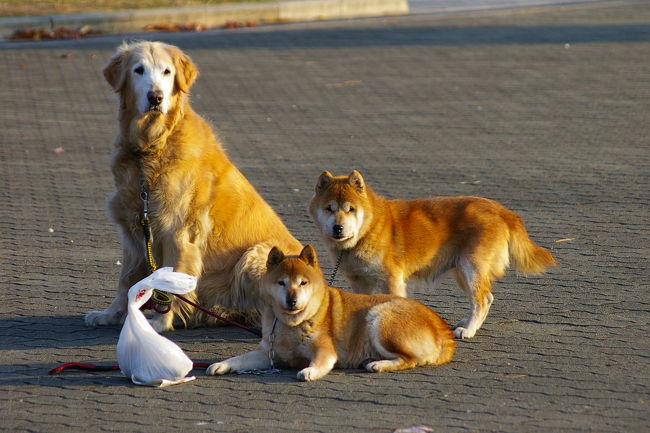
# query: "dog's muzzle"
[[337, 231], [291, 302]]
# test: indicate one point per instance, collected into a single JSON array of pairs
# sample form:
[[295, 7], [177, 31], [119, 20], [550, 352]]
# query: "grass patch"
[[14, 8]]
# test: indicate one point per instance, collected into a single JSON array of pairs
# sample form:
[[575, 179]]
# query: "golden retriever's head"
[[150, 75], [295, 285]]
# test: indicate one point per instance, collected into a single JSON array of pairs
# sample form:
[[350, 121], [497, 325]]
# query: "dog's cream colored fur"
[[207, 219], [314, 327], [383, 243]]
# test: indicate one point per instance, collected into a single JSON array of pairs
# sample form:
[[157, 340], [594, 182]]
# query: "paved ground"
[[446, 7], [546, 111]]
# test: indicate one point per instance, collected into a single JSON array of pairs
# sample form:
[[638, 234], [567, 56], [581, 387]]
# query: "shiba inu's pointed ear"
[[115, 72], [308, 255], [356, 180], [186, 72], [324, 181], [275, 257]]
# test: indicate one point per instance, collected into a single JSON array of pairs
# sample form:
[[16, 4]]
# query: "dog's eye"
[[329, 209], [139, 70], [303, 283], [281, 283], [167, 72], [351, 209]]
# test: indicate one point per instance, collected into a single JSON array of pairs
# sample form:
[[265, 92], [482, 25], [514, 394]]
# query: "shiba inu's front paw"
[[384, 365], [464, 333], [310, 374], [218, 368], [375, 366]]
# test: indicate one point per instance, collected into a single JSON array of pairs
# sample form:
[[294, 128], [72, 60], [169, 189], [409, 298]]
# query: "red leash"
[[92, 367], [164, 302], [216, 316], [82, 366]]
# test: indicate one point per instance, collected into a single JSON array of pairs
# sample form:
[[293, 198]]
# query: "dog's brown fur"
[[207, 219], [383, 243], [312, 326]]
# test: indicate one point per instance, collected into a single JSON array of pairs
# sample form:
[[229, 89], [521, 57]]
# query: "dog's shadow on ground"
[[56, 335], [39, 374], [65, 338], [45, 332]]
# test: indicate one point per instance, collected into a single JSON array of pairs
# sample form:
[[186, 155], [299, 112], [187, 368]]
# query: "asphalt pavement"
[[545, 110]]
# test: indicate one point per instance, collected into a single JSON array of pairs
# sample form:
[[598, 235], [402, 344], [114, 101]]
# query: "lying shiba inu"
[[309, 325], [382, 243]]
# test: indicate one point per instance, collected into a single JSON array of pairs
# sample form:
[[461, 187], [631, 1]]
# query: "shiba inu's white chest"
[[365, 274], [294, 342]]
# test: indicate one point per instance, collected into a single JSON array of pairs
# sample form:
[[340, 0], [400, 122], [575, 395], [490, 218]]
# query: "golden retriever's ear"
[[308, 255], [275, 257], [356, 180], [114, 72], [324, 181], [186, 72]]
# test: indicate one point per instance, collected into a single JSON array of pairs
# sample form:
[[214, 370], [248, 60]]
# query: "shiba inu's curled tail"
[[529, 257]]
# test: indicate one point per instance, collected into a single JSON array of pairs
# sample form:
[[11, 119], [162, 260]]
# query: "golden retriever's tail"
[[529, 258]]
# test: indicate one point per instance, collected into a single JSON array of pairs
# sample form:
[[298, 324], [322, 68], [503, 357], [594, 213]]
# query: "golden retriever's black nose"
[[155, 97], [337, 229]]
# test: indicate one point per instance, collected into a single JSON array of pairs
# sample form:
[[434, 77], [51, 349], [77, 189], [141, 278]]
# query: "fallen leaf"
[[344, 83], [175, 27], [565, 240], [58, 33], [236, 24], [85, 30]]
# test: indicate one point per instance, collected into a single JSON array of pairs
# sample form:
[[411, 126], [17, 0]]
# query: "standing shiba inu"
[[309, 325], [382, 243]]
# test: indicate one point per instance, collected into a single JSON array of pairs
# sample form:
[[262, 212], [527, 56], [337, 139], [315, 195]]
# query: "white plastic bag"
[[145, 356]]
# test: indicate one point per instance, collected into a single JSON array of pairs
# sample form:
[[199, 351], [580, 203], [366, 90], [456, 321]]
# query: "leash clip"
[[144, 196]]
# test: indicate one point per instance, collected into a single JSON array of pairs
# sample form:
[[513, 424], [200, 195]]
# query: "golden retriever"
[[382, 243], [207, 220], [314, 327]]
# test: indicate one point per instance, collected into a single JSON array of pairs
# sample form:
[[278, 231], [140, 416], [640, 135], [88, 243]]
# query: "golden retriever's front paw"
[[218, 368], [161, 323], [309, 374], [103, 318]]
